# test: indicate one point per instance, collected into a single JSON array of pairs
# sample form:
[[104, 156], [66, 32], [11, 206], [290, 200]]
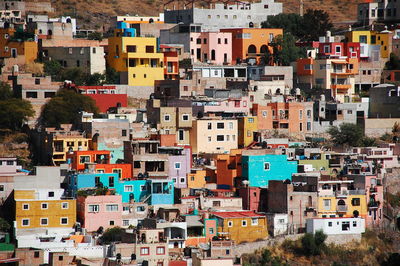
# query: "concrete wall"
[[376, 127]]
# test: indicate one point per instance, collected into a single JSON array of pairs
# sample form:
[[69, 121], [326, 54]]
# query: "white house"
[[277, 223], [336, 226]]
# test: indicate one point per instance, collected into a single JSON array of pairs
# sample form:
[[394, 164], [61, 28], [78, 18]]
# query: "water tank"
[[298, 92], [322, 98]]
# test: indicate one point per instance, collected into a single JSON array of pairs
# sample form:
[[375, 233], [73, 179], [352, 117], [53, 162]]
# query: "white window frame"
[[230, 223], [244, 223], [26, 219], [180, 165], [185, 115], [125, 222], [254, 221], [41, 206], [128, 186], [169, 118], [96, 209], [269, 166], [25, 204], [62, 205], [111, 205]]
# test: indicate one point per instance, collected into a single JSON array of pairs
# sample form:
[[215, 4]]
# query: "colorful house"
[[242, 226], [136, 58], [229, 168], [258, 169], [211, 47], [251, 43], [99, 211], [79, 159], [171, 62], [105, 97], [383, 38], [248, 127], [15, 45]]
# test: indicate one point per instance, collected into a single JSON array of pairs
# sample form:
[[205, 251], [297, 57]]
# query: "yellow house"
[[43, 208], [197, 178], [64, 143], [242, 226], [13, 48], [383, 38], [342, 205], [247, 126], [136, 58]]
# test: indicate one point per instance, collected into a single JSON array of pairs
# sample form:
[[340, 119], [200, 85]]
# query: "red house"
[[105, 97]]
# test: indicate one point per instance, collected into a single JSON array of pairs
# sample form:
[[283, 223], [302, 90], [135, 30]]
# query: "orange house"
[[78, 159], [264, 116], [171, 62], [251, 43], [123, 169], [229, 167], [12, 48]]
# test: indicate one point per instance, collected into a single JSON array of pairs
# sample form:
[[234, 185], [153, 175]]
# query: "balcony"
[[341, 86], [342, 208], [373, 204]]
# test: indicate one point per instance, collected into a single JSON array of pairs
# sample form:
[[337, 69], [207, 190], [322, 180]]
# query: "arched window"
[[341, 202], [252, 49], [151, 20], [264, 49], [68, 20], [251, 25], [49, 32]]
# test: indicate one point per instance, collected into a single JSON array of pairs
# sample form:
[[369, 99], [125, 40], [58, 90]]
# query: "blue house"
[[151, 191], [259, 169]]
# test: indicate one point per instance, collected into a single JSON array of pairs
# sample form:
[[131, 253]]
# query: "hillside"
[[96, 13]]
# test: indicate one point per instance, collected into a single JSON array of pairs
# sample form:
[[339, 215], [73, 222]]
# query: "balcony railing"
[[373, 204], [342, 208]]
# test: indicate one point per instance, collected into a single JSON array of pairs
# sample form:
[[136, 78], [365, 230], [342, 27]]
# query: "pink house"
[[211, 47], [374, 191], [231, 105], [101, 210]]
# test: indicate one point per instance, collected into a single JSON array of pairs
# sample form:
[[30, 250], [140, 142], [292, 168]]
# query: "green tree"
[[290, 23], [112, 76], [95, 79], [95, 36], [313, 244], [5, 91], [316, 23], [14, 113], [310, 27], [112, 234], [74, 74], [4, 225], [393, 63], [52, 68], [284, 50], [65, 108], [346, 134]]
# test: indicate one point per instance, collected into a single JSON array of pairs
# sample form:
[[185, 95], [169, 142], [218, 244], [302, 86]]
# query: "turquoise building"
[[154, 192], [260, 169]]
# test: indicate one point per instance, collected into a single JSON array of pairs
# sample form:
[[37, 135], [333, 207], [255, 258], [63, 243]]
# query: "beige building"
[[214, 135]]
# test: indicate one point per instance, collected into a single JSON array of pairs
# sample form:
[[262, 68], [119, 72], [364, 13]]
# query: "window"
[[264, 113], [281, 221], [226, 41], [338, 49], [111, 181], [25, 222], [330, 224], [140, 209], [244, 223], [209, 125], [112, 207], [112, 222], [345, 226], [219, 40], [149, 49], [327, 204], [44, 221], [185, 117], [84, 159], [354, 223], [220, 125], [44, 206], [25, 206], [300, 114], [64, 220], [181, 135], [355, 201], [94, 50], [205, 41], [128, 188], [143, 188], [64, 205], [144, 251], [167, 118], [123, 133], [37, 81], [131, 48], [60, 258], [254, 221], [308, 126], [160, 251], [49, 94], [198, 41], [216, 203], [178, 165], [220, 137], [209, 138], [301, 126], [251, 120], [182, 180], [230, 223], [230, 125], [227, 137], [307, 67], [36, 254], [31, 94], [125, 222], [93, 208], [266, 166]]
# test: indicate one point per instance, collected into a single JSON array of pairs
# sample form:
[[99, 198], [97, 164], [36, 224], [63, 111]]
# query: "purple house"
[[179, 160]]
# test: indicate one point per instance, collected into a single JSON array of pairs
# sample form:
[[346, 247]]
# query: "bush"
[[313, 244], [112, 235]]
